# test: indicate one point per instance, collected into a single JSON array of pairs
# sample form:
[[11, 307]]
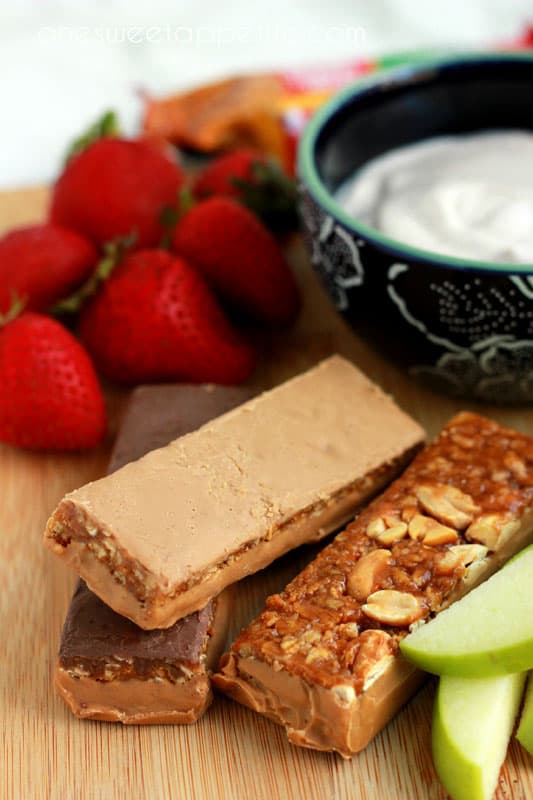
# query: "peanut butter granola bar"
[[160, 537], [323, 658]]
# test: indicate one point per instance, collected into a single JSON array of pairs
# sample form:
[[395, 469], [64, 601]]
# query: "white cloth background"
[[62, 63]]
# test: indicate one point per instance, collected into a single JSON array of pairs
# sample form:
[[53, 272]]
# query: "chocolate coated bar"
[[109, 668]]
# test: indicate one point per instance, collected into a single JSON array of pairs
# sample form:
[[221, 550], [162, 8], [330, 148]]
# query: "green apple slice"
[[524, 733], [488, 632], [473, 720]]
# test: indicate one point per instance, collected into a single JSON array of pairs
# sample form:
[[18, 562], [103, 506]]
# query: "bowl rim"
[[421, 69]]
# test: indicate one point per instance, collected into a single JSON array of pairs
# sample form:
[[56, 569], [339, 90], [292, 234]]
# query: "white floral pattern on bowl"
[[500, 365], [485, 360]]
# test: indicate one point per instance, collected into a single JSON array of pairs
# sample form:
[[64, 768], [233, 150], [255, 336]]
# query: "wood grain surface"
[[231, 753]]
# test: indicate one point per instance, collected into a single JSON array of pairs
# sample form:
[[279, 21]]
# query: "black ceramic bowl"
[[464, 327]]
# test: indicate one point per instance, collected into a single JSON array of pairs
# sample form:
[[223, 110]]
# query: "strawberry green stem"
[[107, 125], [171, 215], [17, 307], [271, 195], [113, 253]]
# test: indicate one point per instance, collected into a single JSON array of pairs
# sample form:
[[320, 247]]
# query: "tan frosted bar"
[[161, 536]]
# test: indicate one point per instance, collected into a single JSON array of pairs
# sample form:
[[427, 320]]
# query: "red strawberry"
[[239, 258], [42, 263], [257, 181], [50, 396], [222, 175], [116, 187], [155, 319]]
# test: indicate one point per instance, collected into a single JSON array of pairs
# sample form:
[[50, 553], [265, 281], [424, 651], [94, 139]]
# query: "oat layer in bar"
[[108, 667], [161, 536], [323, 658]]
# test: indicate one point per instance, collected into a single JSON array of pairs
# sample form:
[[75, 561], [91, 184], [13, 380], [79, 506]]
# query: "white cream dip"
[[469, 196]]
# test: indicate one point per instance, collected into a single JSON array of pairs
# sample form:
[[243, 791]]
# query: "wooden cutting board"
[[231, 753]]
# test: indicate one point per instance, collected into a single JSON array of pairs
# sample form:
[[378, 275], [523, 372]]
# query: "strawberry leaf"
[[114, 252], [17, 307], [271, 195], [171, 215], [187, 201], [106, 126]]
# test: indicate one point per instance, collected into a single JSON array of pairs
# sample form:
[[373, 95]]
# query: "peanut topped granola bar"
[[323, 657]]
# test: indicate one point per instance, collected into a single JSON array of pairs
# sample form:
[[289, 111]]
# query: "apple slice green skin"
[[524, 733], [473, 720], [488, 632]]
